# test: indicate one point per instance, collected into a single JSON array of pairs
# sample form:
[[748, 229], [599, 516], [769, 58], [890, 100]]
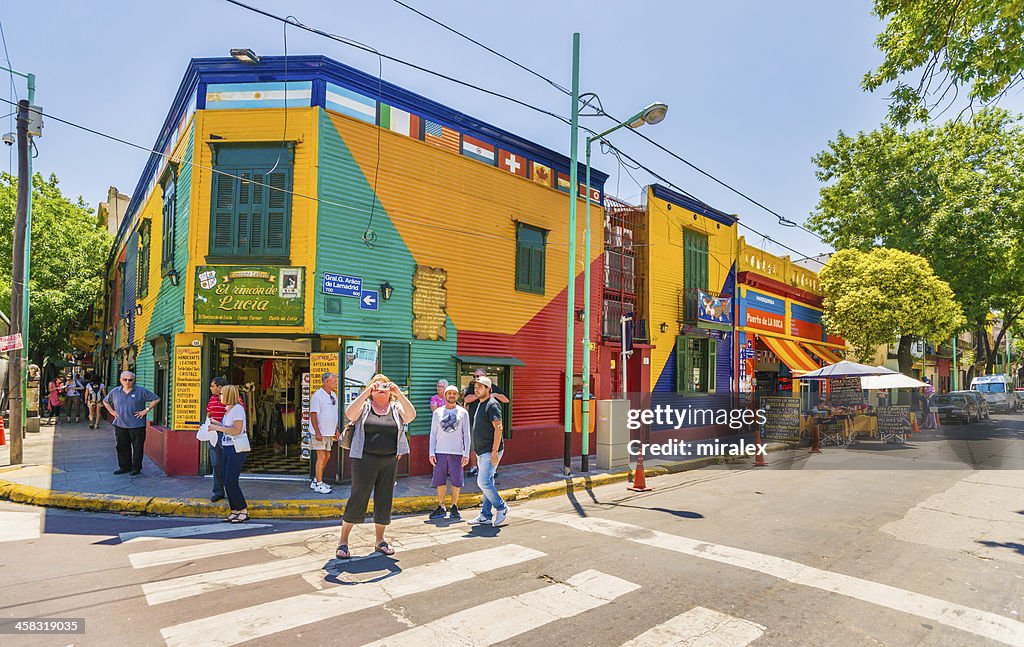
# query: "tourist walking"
[[95, 391], [449, 451], [489, 446], [469, 397]]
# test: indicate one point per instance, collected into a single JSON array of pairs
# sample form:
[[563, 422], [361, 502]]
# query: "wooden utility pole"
[[14, 372]]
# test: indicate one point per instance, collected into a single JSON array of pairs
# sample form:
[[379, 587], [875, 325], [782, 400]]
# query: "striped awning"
[[790, 354], [822, 353]]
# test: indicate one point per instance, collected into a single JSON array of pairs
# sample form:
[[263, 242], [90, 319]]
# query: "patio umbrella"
[[894, 381], [846, 368]]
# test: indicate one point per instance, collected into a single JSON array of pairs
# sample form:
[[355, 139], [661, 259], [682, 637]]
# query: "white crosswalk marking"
[[225, 547], [975, 621], [508, 617], [162, 591], [234, 627], [186, 531], [18, 526], [700, 627]]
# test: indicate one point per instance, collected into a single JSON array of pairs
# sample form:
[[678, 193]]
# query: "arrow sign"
[[368, 300]]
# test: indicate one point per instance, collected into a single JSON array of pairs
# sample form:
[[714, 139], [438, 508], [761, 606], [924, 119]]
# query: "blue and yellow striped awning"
[[790, 354]]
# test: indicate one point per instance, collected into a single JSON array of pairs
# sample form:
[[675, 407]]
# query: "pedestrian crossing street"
[[490, 622], [441, 557]]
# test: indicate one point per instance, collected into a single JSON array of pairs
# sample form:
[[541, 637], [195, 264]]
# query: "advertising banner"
[[249, 296], [716, 311], [188, 387], [782, 419]]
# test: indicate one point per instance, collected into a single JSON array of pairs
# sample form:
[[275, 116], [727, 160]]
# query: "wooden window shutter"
[[711, 358], [277, 214], [522, 266], [168, 217], [537, 270], [222, 235], [682, 364]]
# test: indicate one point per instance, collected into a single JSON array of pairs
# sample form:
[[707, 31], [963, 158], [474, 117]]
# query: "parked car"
[[958, 406], [982, 403], [998, 391]]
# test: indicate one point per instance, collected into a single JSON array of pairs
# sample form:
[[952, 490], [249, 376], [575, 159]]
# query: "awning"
[[823, 353], [483, 359], [790, 354]]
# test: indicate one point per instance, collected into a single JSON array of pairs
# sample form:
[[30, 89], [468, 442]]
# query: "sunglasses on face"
[[125, 379]]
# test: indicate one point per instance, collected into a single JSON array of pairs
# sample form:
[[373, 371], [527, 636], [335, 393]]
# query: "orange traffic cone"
[[639, 480], [3, 435]]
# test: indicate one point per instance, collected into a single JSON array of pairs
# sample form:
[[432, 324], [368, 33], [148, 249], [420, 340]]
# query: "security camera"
[[9, 139]]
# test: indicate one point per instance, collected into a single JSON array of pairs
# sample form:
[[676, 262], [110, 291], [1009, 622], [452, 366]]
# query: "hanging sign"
[[188, 385], [249, 296]]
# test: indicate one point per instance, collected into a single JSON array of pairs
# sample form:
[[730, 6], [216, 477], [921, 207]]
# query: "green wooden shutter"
[[142, 268], [222, 235], [522, 266], [682, 365], [537, 270], [167, 213], [711, 358], [695, 269], [243, 214], [277, 214]]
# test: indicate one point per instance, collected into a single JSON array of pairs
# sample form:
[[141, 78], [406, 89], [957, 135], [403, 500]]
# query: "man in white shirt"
[[323, 418], [449, 450]]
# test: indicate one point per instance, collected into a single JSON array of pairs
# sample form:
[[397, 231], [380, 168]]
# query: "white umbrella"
[[890, 381], [846, 368]]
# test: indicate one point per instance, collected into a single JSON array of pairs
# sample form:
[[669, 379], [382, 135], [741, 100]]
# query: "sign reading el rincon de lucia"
[[251, 296]]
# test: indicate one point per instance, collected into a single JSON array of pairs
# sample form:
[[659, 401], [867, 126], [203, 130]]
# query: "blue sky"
[[755, 89]]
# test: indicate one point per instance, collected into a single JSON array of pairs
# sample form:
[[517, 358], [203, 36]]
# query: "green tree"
[[953, 194], [943, 47], [884, 296], [69, 253]]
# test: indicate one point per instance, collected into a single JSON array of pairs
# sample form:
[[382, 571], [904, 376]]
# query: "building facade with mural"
[[307, 216]]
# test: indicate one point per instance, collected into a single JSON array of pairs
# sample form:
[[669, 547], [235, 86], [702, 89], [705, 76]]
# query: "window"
[[695, 365], [695, 270], [160, 388], [251, 203], [530, 244], [620, 272], [142, 287], [170, 200]]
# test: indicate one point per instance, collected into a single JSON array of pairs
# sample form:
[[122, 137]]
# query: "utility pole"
[[17, 285]]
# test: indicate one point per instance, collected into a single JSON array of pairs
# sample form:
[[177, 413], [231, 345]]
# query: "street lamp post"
[[652, 114], [571, 285]]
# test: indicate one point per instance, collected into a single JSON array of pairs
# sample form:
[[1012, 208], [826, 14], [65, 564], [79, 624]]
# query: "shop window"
[[695, 365], [250, 215], [169, 207], [695, 270], [530, 253], [142, 287]]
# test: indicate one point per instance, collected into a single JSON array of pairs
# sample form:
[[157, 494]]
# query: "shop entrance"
[[268, 373]]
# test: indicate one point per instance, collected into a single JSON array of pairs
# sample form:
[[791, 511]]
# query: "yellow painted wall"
[[425, 189], [665, 268], [241, 126]]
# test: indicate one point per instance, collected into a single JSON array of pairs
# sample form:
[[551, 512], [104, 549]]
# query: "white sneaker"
[[479, 520], [313, 484], [500, 516], [323, 488]]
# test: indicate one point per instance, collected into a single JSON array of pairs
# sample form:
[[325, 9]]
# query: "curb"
[[302, 509]]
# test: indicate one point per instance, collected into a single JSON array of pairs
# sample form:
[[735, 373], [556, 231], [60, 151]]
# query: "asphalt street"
[[869, 544]]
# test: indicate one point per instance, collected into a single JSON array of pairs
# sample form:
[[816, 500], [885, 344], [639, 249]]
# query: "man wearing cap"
[[488, 447], [449, 450], [323, 418], [469, 397]]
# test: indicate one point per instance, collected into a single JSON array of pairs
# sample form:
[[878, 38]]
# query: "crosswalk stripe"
[[179, 588], [186, 531], [700, 627], [511, 616], [975, 621], [234, 627], [18, 526]]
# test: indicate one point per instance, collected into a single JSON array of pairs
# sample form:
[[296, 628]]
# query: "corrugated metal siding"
[[131, 262]]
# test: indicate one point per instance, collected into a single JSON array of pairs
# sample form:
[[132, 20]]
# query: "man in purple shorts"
[[449, 450]]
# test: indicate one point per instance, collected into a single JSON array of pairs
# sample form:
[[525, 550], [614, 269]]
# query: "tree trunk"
[[1008, 320], [906, 364]]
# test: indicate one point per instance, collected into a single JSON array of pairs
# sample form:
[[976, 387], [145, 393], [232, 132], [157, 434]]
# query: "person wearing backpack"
[[379, 441], [95, 391]]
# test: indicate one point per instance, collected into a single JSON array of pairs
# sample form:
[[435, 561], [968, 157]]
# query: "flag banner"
[[563, 182], [438, 135], [541, 174], [238, 96], [399, 121], [351, 103], [595, 193], [512, 163], [478, 150]]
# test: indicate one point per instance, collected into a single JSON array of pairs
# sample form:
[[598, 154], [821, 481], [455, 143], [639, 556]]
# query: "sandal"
[[231, 517], [342, 552], [384, 549], [241, 517]]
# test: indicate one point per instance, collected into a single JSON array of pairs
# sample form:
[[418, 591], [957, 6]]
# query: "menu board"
[[782, 419], [188, 371], [894, 421], [846, 392], [305, 417]]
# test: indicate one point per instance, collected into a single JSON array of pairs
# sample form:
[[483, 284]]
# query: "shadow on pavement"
[[1010, 544]]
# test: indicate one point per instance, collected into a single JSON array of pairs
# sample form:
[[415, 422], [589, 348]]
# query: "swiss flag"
[[512, 163]]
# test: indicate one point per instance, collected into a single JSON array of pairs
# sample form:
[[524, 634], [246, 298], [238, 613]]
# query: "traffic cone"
[[815, 443], [758, 457], [639, 480], [3, 434]]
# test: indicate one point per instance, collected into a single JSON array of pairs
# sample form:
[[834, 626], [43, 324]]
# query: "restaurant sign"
[[249, 296], [714, 311]]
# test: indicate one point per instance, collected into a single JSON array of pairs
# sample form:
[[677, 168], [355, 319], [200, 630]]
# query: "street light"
[[245, 55], [652, 114]]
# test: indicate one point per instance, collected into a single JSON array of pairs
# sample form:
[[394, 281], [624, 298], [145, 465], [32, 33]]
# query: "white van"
[[997, 391]]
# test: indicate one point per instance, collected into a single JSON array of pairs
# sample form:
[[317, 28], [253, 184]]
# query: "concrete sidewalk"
[[71, 466]]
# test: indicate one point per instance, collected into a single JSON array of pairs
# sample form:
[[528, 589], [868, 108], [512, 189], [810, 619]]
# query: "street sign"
[[10, 342], [368, 300], [341, 285]]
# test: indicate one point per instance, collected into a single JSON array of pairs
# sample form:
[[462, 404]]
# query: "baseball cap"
[[486, 381], [451, 387]]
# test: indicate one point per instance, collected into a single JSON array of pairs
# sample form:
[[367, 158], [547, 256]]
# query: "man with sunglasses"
[[323, 419], [129, 406]]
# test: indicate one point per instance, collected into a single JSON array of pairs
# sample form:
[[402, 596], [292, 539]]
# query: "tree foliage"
[[885, 295], [69, 252], [953, 194], [975, 46]]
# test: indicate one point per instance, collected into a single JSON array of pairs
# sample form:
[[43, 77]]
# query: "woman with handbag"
[[235, 446], [378, 442]]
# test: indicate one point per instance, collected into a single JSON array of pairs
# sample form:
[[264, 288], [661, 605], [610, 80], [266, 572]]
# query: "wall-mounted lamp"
[[579, 314], [245, 55], [385, 290], [138, 309], [173, 275], [664, 327]]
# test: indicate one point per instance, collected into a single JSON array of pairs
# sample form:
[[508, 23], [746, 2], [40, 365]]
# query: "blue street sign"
[[368, 300], [341, 285]]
